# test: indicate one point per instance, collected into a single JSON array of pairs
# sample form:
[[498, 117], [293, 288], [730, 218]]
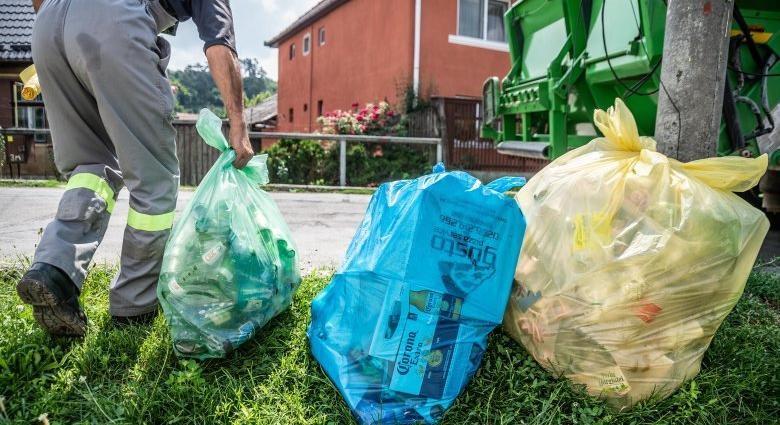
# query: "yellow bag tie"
[[617, 124], [732, 173]]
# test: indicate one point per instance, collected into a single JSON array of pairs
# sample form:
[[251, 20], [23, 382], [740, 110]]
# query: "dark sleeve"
[[214, 20]]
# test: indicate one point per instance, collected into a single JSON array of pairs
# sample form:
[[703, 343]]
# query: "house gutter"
[[417, 31], [300, 24]]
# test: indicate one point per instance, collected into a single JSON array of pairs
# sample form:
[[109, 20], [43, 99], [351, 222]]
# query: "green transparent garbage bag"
[[230, 265]]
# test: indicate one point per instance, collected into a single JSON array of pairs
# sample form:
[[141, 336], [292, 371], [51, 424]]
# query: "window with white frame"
[[482, 19], [30, 114], [321, 36], [292, 51], [306, 44]]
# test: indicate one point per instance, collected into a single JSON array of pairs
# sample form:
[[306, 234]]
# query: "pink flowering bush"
[[374, 119]]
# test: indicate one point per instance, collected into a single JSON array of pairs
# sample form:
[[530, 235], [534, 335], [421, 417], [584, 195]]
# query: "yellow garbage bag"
[[32, 87], [631, 261]]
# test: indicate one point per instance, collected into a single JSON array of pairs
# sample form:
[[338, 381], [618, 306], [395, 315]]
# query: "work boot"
[[54, 299], [139, 320]]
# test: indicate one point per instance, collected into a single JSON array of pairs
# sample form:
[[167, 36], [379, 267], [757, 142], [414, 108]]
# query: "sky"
[[256, 21]]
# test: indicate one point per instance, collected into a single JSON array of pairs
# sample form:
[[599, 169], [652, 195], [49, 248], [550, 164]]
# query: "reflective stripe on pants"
[[96, 184], [148, 222], [71, 239]]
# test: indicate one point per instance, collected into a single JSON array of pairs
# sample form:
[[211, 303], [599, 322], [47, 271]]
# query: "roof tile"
[[16, 23]]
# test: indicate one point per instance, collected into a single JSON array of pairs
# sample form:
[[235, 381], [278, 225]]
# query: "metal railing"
[[343, 139]]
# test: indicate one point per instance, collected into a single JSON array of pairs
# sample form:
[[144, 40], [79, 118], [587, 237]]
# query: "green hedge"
[[308, 162]]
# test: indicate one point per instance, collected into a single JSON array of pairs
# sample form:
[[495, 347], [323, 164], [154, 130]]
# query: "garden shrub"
[[373, 164], [308, 162], [296, 162]]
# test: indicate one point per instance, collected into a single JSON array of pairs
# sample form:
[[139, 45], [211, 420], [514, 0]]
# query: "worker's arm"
[[36, 5], [226, 72]]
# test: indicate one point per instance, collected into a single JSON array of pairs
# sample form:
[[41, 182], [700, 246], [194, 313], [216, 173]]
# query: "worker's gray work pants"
[[109, 106]]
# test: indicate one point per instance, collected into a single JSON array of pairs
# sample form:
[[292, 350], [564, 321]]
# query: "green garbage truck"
[[570, 57]]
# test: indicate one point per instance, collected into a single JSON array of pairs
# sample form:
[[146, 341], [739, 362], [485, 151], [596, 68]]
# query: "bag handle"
[[501, 185], [618, 126], [731, 173], [210, 129], [504, 184], [256, 170]]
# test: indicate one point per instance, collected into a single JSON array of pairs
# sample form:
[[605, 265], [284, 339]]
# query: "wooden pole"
[[693, 73]]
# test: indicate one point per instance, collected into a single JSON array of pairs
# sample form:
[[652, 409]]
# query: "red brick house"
[[358, 51], [27, 152]]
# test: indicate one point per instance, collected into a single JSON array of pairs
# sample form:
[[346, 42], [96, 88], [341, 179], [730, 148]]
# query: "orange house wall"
[[452, 70], [367, 56]]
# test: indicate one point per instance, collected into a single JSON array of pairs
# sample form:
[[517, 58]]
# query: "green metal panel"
[[538, 31], [541, 48], [621, 29], [560, 73]]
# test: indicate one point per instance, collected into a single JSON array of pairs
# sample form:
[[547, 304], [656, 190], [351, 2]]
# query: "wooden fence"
[[458, 121], [195, 156], [424, 123], [464, 148], [455, 120]]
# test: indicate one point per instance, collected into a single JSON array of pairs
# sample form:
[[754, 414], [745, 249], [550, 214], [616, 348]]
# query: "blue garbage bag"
[[401, 328]]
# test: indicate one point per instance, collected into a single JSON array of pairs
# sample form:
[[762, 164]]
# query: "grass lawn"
[[31, 183], [132, 376], [268, 188]]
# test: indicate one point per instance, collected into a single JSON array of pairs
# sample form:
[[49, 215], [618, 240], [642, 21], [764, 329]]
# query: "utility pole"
[[693, 73]]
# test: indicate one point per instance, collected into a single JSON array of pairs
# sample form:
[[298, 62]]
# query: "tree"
[[196, 88]]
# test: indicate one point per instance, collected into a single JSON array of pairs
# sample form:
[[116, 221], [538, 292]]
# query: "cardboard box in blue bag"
[[402, 327]]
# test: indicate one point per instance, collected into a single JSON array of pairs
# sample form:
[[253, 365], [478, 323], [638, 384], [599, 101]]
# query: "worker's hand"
[[239, 141]]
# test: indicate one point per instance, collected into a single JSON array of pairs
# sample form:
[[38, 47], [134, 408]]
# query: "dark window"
[[292, 51], [30, 114], [305, 107], [483, 19], [306, 44], [322, 36], [471, 19], [291, 117], [319, 108], [495, 21]]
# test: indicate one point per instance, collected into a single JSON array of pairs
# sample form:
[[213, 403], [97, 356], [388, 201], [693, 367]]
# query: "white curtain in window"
[[496, 11], [470, 21]]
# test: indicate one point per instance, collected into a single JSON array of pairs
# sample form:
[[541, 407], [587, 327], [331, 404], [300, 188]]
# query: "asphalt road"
[[322, 223]]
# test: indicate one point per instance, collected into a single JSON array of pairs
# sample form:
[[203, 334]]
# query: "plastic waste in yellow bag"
[[32, 87], [631, 261]]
